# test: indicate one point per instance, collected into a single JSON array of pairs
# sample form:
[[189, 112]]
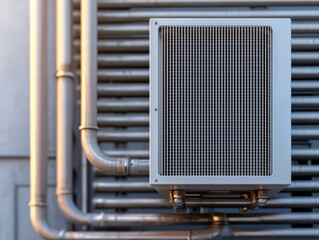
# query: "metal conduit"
[[141, 29], [140, 119], [305, 133], [298, 154], [123, 4], [141, 75], [303, 186], [142, 89], [296, 170], [300, 233], [305, 117], [142, 104], [141, 45], [305, 170], [291, 202], [131, 15], [123, 90], [304, 86], [102, 186], [305, 72], [123, 120], [123, 105], [142, 60], [273, 218]]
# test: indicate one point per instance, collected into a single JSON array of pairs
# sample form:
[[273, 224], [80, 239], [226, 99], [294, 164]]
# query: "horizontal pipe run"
[[38, 214], [122, 136], [121, 120], [119, 60], [305, 72], [305, 102], [305, 170], [297, 154], [136, 15], [120, 29], [142, 90], [102, 186], [131, 203], [305, 153], [305, 117], [121, 75], [305, 133], [142, 45], [142, 59], [142, 105], [289, 218], [142, 119], [304, 58], [125, 219], [305, 86], [289, 233], [303, 186], [124, 4], [122, 105], [296, 170], [142, 75], [289, 202], [159, 219], [308, 27], [123, 90], [118, 45], [141, 29]]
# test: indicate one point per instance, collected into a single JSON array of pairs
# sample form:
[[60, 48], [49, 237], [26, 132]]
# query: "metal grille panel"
[[216, 100]]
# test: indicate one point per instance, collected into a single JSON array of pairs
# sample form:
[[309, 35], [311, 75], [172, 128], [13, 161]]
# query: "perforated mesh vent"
[[215, 100]]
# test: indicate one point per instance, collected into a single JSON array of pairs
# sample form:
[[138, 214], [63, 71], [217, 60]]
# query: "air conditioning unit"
[[220, 114]]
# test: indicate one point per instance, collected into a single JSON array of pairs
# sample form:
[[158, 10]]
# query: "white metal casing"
[[281, 113]]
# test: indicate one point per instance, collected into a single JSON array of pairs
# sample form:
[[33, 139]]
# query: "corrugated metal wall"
[[123, 102]]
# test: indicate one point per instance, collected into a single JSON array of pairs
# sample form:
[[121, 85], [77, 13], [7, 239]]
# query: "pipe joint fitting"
[[62, 191], [124, 166], [65, 74], [38, 204], [89, 127]]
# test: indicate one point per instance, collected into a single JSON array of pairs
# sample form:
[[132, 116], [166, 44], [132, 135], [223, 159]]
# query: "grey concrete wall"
[[14, 121]]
